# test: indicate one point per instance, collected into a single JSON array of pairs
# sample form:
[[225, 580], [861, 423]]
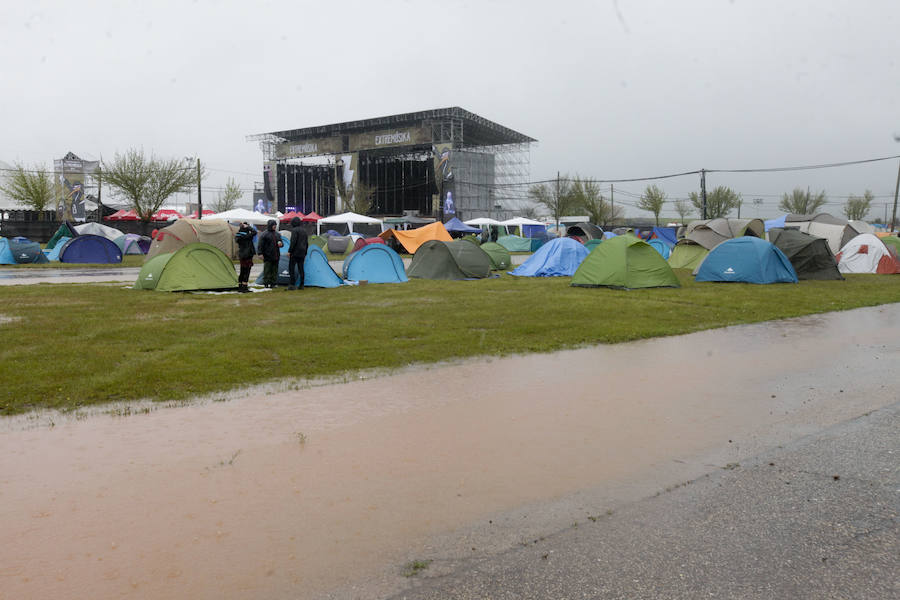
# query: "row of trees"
[[577, 196], [145, 182]]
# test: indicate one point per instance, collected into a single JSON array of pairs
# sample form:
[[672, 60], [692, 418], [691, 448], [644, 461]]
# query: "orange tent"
[[413, 238]]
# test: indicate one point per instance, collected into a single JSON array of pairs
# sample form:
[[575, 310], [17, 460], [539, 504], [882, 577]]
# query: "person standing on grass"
[[244, 239], [269, 244], [297, 253]]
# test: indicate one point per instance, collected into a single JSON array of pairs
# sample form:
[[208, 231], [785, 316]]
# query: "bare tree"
[[229, 197], [556, 197], [719, 202], [683, 208], [34, 188], [801, 202], [857, 207], [357, 198], [652, 200], [147, 182]]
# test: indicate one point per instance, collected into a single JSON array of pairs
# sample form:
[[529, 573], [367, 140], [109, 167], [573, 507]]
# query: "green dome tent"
[[687, 255], [624, 262], [449, 260], [196, 266], [500, 259]]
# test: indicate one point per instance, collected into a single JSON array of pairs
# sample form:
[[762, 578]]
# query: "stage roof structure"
[[443, 125]]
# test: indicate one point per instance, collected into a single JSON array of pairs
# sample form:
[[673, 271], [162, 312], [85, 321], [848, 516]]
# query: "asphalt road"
[[816, 519]]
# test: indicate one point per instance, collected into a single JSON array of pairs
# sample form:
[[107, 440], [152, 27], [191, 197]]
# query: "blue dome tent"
[[748, 260], [559, 257], [375, 263], [89, 248]]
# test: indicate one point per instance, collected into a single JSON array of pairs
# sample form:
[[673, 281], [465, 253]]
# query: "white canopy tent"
[[348, 219], [516, 221], [239, 215], [481, 221]]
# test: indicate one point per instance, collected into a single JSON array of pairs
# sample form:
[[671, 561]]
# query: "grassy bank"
[[66, 346]]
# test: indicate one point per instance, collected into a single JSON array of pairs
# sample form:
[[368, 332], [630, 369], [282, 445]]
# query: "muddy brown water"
[[328, 491]]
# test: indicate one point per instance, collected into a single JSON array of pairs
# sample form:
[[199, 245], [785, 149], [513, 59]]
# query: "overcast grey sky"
[[610, 89]]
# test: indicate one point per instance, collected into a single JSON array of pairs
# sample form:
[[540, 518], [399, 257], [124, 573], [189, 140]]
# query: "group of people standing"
[[269, 249]]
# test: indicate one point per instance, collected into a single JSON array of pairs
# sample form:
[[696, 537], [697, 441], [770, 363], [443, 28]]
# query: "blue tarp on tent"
[[317, 272], [748, 260], [559, 257], [6, 255], [607, 235], [666, 235], [25, 251], [53, 253], [773, 223], [458, 226], [375, 263], [89, 248], [660, 246]]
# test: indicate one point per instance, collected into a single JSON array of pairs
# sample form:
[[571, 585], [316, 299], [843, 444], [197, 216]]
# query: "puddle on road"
[[296, 493]]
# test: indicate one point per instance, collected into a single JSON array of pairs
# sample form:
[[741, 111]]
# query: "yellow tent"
[[413, 238]]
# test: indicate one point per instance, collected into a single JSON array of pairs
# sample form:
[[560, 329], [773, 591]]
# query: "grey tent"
[[584, 231], [810, 255], [712, 232]]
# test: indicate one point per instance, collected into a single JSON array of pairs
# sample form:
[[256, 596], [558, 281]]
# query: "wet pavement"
[[330, 490]]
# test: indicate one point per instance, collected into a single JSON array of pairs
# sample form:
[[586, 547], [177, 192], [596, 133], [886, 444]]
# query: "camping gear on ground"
[[810, 255], [131, 243], [66, 230], [317, 272], [712, 232], [625, 262], [6, 255], [182, 232], [865, 253], [584, 231], [687, 255], [25, 251], [375, 263], [661, 247], [92, 228], [449, 260], [500, 258], [560, 257], [195, 266], [88, 248], [411, 239], [748, 260]]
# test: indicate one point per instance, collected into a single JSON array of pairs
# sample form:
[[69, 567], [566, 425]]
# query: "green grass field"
[[72, 345]]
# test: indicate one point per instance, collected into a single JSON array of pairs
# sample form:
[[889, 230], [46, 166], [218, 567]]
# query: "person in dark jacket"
[[244, 239], [269, 244], [297, 253]]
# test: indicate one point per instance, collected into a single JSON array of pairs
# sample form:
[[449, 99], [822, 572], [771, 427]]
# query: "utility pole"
[[99, 194], [703, 192], [558, 200], [199, 196], [896, 189], [612, 204]]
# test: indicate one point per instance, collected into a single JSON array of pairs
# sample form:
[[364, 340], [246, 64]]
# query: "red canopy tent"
[[286, 217], [312, 217], [166, 214], [122, 215]]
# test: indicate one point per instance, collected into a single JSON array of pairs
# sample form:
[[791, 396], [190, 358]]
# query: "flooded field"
[[330, 490]]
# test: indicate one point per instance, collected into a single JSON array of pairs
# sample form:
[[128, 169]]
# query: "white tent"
[[481, 221], [110, 233], [516, 221], [239, 215], [348, 219], [865, 253]]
